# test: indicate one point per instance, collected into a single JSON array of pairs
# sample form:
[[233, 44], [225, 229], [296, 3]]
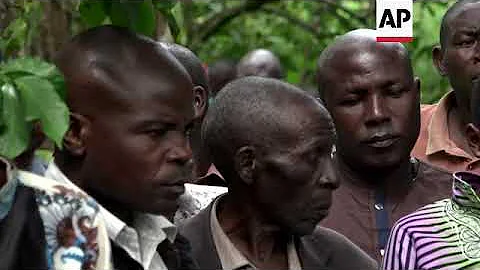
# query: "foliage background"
[[296, 30]]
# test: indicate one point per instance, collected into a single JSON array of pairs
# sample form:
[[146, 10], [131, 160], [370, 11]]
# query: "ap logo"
[[394, 20]]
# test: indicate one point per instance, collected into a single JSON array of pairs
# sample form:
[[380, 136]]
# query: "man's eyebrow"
[[466, 30]]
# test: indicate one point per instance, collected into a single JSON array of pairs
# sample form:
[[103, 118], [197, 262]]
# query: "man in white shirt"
[[131, 106]]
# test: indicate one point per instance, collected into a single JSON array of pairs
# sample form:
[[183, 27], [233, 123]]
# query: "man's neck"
[[260, 242], [72, 171], [457, 128], [376, 177]]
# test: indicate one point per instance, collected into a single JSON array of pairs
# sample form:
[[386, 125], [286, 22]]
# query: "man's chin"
[[167, 211]]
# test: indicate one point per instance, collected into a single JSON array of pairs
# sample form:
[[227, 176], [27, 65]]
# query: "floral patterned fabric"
[[75, 234], [442, 235]]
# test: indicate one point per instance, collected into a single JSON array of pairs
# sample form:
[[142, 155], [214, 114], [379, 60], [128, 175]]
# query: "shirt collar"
[[466, 187], [139, 242], [438, 132], [230, 257]]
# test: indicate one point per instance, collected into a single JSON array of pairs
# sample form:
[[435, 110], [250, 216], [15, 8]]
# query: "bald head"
[[191, 62], [261, 63], [359, 43], [103, 65], [262, 113], [457, 8]]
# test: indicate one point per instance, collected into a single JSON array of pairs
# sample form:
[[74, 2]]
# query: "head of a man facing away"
[[272, 143], [458, 56], [369, 89], [131, 106], [260, 62]]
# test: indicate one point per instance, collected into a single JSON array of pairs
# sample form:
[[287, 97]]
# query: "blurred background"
[[297, 31]]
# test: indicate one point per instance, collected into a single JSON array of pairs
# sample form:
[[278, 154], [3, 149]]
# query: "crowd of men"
[[168, 165]]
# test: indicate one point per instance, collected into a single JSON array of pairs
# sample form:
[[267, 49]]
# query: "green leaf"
[[92, 12], [41, 102], [16, 135], [27, 66], [172, 23], [119, 14], [164, 5], [139, 16], [142, 18]]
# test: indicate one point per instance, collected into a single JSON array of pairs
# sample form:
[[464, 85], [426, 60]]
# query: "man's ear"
[[245, 162], [76, 137], [417, 85], [437, 56], [473, 138], [200, 101]]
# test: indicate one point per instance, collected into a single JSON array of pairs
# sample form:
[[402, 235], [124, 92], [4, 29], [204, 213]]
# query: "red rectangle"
[[395, 39]]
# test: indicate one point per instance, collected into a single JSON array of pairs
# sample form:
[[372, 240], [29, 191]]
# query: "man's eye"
[[350, 102], [156, 132], [395, 92], [466, 42]]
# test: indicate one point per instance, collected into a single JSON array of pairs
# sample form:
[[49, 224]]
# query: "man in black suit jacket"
[[272, 142]]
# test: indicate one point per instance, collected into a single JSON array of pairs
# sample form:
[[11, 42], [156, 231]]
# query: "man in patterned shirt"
[[444, 234]]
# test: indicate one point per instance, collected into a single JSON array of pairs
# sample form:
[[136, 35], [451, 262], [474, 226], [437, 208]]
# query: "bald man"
[[220, 73], [273, 144], [260, 62], [443, 140], [373, 97], [131, 106]]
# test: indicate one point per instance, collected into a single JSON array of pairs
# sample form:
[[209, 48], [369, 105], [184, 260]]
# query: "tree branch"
[[219, 19], [336, 5], [292, 19]]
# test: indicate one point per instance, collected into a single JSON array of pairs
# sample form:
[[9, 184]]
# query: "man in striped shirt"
[[444, 234], [441, 235]]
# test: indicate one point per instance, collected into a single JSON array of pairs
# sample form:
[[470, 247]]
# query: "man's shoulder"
[[430, 172], [69, 216], [196, 225], [423, 217], [334, 246]]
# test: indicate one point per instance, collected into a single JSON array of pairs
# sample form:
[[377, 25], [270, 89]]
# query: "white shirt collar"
[[140, 242]]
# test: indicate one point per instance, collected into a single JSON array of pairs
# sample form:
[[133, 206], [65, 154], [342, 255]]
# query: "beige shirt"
[[231, 258], [139, 242]]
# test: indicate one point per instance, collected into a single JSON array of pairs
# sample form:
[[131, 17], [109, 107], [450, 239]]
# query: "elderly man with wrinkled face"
[[443, 140], [131, 106], [272, 143], [369, 89]]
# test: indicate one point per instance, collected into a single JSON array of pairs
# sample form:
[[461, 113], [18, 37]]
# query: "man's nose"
[[476, 52], [329, 177], [376, 112], [180, 151]]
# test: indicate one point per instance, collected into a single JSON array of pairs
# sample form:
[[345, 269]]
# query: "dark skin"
[[199, 78], [260, 222], [458, 58], [473, 128], [374, 101], [129, 149]]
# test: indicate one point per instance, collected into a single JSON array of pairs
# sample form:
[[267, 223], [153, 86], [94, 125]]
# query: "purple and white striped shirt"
[[441, 235]]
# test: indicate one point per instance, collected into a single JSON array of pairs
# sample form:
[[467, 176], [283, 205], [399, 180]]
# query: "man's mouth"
[[381, 140]]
